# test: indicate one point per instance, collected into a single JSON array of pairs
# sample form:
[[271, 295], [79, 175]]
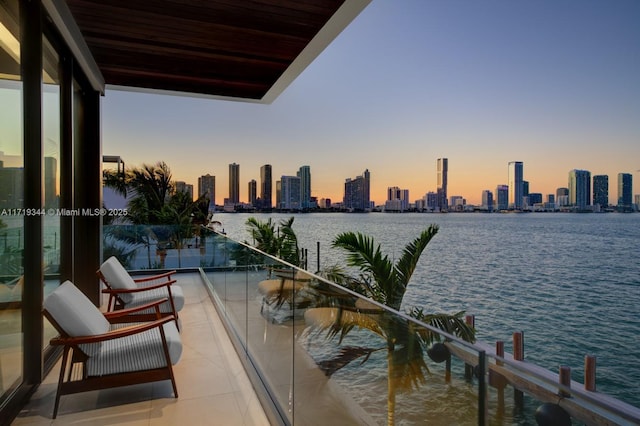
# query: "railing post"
[[482, 388], [518, 346], [565, 379], [590, 373], [470, 320], [518, 355]]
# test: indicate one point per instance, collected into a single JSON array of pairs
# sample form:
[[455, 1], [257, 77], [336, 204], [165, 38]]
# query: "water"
[[570, 282]]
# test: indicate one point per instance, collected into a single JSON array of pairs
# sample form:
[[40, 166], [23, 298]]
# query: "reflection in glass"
[[11, 200], [51, 118]]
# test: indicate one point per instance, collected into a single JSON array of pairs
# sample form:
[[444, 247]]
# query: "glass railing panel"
[[322, 351], [375, 365], [140, 247]]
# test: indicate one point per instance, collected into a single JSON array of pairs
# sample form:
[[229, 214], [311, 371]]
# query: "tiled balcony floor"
[[212, 385]]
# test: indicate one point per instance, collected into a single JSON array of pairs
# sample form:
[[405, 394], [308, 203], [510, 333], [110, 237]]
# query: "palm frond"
[[346, 355], [407, 263], [453, 324]]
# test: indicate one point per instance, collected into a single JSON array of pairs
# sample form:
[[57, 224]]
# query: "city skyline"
[[601, 184], [412, 81]]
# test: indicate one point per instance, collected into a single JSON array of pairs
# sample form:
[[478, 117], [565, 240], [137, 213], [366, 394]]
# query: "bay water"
[[569, 282]]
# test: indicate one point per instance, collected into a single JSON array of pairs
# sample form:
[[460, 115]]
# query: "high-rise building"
[[397, 199], [535, 198], [187, 188], [356, 192], [502, 197], [562, 197], [580, 188], [601, 190], [516, 187], [305, 186], [288, 193], [442, 165], [431, 200], [266, 187], [207, 186], [487, 200], [625, 192], [252, 191], [234, 184]]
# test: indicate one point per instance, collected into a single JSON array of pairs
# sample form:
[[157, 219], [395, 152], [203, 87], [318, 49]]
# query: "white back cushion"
[[74, 312], [117, 277]]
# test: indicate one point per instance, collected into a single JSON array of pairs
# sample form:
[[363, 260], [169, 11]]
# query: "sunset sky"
[[554, 84]]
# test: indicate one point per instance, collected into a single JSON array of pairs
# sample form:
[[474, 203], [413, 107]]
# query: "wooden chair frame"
[[146, 283], [72, 354]]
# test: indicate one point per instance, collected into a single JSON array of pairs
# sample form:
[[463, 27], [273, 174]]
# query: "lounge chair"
[[126, 292], [108, 356]]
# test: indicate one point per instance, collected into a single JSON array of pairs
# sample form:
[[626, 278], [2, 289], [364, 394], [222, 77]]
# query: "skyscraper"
[[442, 165], [356, 192], [234, 184], [289, 193], [487, 200], [252, 192], [580, 188], [625, 197], [305, 186], [502, 197], [397, 199], [266, 187], [601, 190], [516, 188], [207, 186], [181, 186]]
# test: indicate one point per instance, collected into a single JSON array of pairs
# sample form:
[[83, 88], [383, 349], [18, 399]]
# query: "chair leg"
[[63, 366]]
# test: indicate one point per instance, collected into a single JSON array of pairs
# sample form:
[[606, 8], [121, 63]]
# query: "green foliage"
[[386, 282], [280, 241]]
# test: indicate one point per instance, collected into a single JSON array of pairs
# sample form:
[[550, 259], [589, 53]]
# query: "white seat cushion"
[[155, 294], [138, 352]]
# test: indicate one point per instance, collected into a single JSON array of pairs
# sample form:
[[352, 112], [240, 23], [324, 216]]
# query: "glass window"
[[11, 200], [51, 118]]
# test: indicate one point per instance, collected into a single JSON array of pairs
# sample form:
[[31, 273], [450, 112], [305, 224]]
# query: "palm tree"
[[281, 242], [385, 282], [168, 216]]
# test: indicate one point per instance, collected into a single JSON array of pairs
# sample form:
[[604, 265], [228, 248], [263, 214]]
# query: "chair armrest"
[[124, 312], [139, 289], [155, 277], [112, 334]]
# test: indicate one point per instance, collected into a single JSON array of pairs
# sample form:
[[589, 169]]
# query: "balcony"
[[210, 378], [267, 343]]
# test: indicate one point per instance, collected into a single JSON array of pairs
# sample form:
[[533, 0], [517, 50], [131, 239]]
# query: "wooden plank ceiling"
[[230, 48]]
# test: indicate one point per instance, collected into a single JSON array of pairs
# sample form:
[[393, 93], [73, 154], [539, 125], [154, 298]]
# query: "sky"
[[552, 83]]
